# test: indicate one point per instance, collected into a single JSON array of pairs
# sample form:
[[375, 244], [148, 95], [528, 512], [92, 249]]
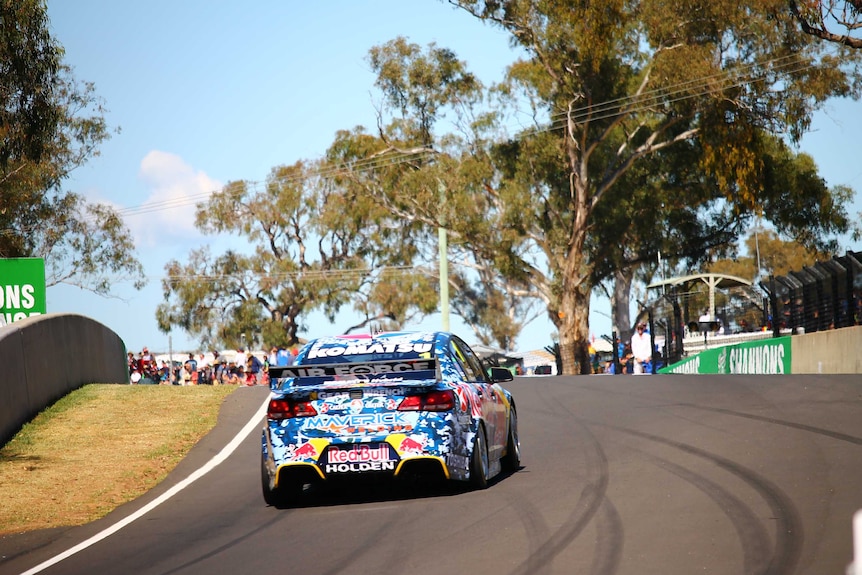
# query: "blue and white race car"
[[388, 405]]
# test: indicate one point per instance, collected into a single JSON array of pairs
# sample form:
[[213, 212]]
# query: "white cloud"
[[168, 213]]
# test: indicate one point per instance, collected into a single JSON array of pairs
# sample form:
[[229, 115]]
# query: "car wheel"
[[512, 460], [277, 497], [479, 461]]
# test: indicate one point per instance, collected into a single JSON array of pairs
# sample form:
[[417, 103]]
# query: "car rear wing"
[[407, 368]]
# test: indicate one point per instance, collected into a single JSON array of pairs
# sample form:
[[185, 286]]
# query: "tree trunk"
[[574, 331], [622, 302]]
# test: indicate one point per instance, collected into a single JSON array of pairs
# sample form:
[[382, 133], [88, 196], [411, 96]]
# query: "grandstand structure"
[[694, 312]]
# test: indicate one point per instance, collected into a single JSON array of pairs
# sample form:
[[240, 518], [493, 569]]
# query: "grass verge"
[[97, 448]]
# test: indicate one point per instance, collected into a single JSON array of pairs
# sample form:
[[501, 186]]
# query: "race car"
[[386, 406]]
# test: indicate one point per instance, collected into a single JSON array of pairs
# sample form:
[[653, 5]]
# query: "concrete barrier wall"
[[45, 357], [833, 351]]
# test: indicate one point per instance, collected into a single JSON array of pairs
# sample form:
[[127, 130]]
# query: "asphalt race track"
[[622, 475]]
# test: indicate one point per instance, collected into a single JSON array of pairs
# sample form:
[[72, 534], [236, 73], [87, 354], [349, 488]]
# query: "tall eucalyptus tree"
[[614, 83]]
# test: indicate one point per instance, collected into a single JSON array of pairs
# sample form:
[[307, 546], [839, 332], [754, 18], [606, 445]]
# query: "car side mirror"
[[501, 374]]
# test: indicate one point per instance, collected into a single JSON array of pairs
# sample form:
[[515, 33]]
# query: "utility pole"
[[444, 259]]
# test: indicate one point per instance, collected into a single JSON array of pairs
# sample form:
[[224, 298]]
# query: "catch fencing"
[[710, 310]]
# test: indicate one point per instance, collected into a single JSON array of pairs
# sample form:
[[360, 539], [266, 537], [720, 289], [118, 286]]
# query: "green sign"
[[765, 356], [22, 288], [768, 356]]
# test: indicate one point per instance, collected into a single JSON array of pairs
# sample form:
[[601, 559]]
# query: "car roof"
[[425, 335], [368, 347]]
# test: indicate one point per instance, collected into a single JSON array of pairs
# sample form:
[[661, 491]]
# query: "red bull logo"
[[307, 451], [410, 445]]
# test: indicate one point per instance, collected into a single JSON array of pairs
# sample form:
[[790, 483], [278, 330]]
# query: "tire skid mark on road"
[[403, 543], [801, 426], [534, 525], [393, 528], [753, 536], [788, 525], [226, 546], [609, 542], [592, 497]]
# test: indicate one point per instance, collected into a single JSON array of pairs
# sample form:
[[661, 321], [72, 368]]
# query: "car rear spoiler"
[[405, 367]]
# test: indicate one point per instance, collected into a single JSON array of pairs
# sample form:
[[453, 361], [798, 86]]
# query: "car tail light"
[[434, 401], [287, 409]]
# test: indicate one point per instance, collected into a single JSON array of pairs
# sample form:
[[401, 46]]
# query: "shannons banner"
[[22, 288], [766, 356]]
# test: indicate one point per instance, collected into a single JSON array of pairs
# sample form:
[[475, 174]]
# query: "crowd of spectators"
[[241, 367]]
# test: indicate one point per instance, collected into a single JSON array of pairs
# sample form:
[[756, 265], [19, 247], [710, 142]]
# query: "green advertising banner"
[[22, 288], [765, 356]]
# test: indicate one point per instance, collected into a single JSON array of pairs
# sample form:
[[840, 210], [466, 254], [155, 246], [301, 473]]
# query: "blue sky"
[[206, 92]]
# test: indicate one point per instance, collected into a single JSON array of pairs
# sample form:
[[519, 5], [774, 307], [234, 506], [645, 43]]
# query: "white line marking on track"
[[226, 451]]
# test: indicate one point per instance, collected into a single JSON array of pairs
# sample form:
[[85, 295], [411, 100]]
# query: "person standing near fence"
[[641, 349]]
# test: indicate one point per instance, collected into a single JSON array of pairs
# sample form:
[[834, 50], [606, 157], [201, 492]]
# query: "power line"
[[784, 64], [666, 96], [309, 275], [631, 104], [364, 165]]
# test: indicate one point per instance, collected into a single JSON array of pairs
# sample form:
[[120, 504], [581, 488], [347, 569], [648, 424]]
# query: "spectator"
[[283, 356], [191, 367], [240, 358], [237, 375], [624, 354], [186, 374], [204, 370], [217, 368], [164, 373], [223, 372], [133, 363], [253, 368], [641, 349], [192, 362], [230, 375], [250, 378], [264, 376], [147, 365]]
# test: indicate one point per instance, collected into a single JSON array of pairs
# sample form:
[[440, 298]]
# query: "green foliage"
[[421, 85], [51, 124], [798, 202], [320, 242], [30, 65], [658, 128], [779, 257], [776, 257]]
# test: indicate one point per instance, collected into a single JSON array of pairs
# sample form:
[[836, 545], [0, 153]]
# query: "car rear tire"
[[479, 461], [276, 497], [511, 462]]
